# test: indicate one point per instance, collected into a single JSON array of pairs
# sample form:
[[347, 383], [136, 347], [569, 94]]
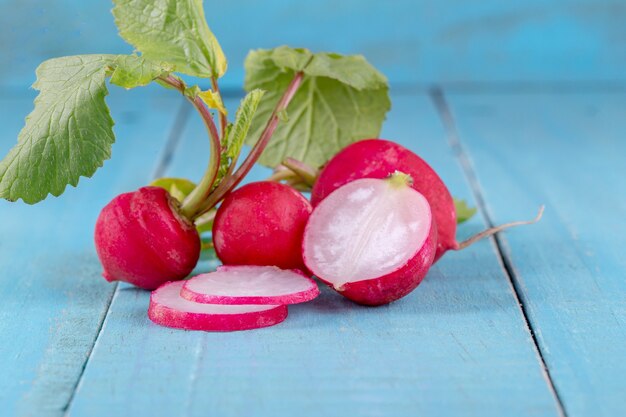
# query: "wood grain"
[[568, 152]]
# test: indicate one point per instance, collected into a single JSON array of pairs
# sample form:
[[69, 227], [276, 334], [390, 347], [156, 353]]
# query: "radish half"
[[371, 240], [168, 308], [250, 285]]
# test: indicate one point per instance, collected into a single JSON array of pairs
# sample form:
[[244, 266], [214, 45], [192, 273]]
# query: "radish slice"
[[168, 308], [250, 285]]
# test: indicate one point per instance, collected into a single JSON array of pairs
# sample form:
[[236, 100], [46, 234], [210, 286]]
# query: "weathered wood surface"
[[455, 42], [569, 153]]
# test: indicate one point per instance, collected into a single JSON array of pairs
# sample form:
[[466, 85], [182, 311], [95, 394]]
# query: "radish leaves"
[[173, 29], [342, 99], [463, 211], [70, 132]]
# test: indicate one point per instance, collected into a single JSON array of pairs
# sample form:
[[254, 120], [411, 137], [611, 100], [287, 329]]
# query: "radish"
[[261, 223], [142, 239], [250, 285], [168, 308], [371, 240], [378, 158]]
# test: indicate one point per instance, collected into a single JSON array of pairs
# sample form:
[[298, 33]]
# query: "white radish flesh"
[[372, 240], [250, 285], [168, 308]]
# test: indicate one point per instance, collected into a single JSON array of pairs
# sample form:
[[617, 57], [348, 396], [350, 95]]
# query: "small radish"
[[378, 158], [168, 308], [250, 285], [142, 239], [261, 224], [371, 240]]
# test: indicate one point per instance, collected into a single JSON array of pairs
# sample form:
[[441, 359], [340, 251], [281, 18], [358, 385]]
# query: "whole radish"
[[142, 239], [371, 240], [378, 158], [261, 223]]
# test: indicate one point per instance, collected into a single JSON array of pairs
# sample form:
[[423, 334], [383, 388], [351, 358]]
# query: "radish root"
[[493, 230]]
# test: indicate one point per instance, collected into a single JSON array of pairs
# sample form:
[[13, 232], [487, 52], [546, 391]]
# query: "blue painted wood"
[[456, 346], [454, 41], [52, 298], [567, 151]]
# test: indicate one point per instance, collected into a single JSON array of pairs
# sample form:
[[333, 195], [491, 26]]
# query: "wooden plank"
[[568, 152], [456, 41], [53, 298], [456, 346]]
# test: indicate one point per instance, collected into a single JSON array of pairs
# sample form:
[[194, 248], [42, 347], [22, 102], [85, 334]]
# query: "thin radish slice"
[[250, 285], [168, 308]]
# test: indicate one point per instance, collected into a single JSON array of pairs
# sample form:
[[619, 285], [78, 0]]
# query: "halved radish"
[[372, 240], [250, 285], [168, 308]]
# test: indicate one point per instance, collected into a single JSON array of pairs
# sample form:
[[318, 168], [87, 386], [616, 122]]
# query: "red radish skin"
[[168, 308], [141, 239], [371, 240], [379, 158], [250, 285], [261, 223]]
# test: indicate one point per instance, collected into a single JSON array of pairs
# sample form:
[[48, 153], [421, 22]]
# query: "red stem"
[[194, 200], [229, 183]]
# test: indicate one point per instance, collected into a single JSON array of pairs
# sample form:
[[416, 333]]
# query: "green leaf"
[[179, 188], [134, 71], [463, 211], [70, 132], [172, 30], [352, 70], [341, 100], [233, 141]]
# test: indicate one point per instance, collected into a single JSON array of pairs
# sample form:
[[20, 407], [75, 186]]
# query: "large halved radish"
[[250, 285], [168, 308], [372, 240]]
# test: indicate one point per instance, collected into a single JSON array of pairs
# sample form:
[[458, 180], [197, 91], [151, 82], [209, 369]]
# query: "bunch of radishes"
[[380, 217]]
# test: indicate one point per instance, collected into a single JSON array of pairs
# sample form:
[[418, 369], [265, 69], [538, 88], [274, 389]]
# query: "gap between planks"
[[443, 109], [163, 162]]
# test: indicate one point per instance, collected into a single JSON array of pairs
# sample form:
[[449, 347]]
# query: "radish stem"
[[232, 181], [304, 171], [195, 199]]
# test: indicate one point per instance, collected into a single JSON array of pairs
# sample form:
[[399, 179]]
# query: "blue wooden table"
[[515, 105]]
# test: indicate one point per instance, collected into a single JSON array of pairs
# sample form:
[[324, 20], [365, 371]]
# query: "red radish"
[[250, 285], [378, 158], [261, 224], [168, 308], [142, 239], [371, 240]]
